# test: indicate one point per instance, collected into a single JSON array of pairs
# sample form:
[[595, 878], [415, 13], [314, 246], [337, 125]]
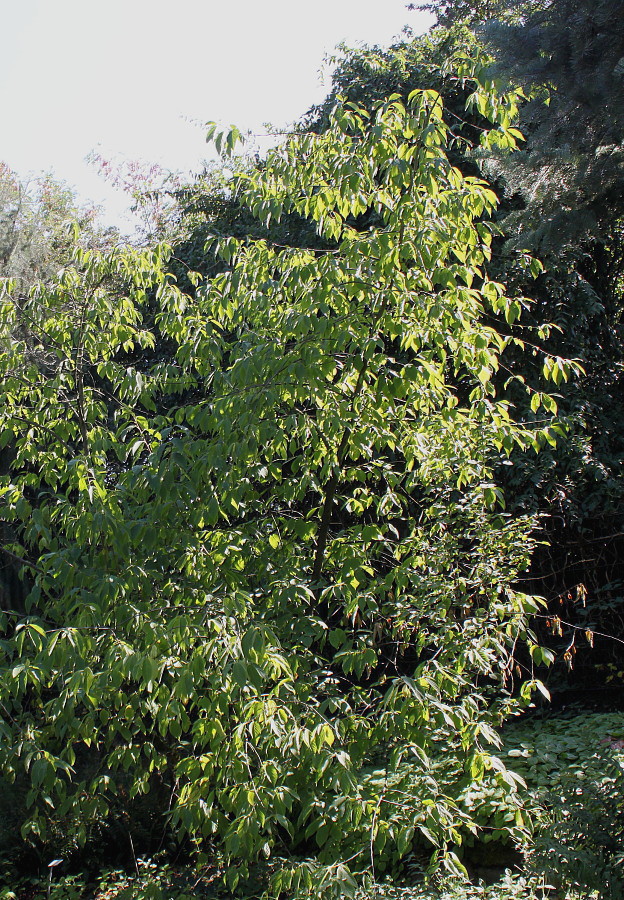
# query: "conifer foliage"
[[568, 56]]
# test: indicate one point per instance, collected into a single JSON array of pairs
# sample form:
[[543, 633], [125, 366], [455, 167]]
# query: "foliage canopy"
[[269, 564]]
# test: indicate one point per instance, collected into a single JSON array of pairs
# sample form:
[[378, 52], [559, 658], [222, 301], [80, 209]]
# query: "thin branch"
[[45, 428], [23, 561], [583, 628]]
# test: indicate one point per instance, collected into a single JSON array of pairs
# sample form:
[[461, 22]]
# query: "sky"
[[138, 79]]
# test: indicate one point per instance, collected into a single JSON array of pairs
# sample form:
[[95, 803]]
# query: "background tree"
[[37, 227], [41, 225], [475, 12], [571, 55], [570, 192]]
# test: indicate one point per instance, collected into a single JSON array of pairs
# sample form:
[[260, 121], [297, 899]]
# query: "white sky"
[[139, 78]]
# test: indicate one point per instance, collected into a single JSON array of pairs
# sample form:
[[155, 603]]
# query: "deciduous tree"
[[272, 567]]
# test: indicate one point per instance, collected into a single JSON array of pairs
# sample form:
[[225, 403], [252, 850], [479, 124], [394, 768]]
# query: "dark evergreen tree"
[[568, 55], [476, 12]]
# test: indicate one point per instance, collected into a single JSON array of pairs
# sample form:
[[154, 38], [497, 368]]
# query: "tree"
[[37, 222], [565, 193], [569, 58], [574, 225], [41, 224], [476, 12], [272, 570], [150, 187]]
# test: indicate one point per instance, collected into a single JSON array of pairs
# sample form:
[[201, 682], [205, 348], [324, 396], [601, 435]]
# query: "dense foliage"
[[553, 207], [565, 761], [270, 573], [268, 497]]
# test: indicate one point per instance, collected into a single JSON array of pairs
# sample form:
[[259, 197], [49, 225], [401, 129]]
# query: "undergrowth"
[[573, 805]]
